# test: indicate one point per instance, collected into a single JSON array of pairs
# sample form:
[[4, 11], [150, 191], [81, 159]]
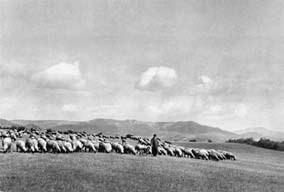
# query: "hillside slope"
[[179, 131], [258, 132], [256, 169], [6, 123], [44, 124]]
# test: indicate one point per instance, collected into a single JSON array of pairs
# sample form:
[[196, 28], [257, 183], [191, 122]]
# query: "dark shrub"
[[262, 142]]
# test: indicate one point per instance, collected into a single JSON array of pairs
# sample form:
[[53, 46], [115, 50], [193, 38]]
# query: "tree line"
[[262, 142]]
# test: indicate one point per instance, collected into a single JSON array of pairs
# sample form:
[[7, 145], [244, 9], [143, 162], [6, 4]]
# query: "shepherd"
[[155, 145]]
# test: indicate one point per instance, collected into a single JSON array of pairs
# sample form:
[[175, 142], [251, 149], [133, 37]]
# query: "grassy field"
[[256, 169]]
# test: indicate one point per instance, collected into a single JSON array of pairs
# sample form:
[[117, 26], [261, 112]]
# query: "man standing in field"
[[154, 144]]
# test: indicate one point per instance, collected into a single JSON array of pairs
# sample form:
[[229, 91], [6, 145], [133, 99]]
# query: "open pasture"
[[256, 169]]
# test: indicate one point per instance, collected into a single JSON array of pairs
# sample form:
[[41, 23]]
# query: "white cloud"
[[215, 109], [104, 109], [172, 106], [157, 78], [60, 76], [224, 111], [205, 84], [205, 79], [69, 108]]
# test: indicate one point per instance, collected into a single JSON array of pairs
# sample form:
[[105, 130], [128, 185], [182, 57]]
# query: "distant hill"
[[178, 131], [44, 124], [258, 132], [5, 123]]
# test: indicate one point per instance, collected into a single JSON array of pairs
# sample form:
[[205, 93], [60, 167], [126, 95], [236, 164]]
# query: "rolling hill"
[[44, 124], [174, 131], [258, 132], [256, 169], [179, 131], [6, 123]]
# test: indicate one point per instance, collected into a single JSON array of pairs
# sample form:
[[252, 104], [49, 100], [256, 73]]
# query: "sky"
[[218, 63]]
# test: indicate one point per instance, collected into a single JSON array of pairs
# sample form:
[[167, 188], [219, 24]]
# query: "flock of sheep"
[[65, 142]]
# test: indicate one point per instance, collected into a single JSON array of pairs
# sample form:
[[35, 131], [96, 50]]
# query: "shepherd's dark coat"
[[155, 145]]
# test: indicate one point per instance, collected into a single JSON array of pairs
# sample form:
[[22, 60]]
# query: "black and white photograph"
[[142, 95]]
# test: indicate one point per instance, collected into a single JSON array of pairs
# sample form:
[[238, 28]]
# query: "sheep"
[[42, 144], [170, 150], [68, 146], [77, 145], [134, 138], [213, 155], [61, 146], [188, 153], [83, 140], [219, 154], [178, 152], [96, 144], [168, 142], [200, 154], [99, 134], [53, 146], [120, 148], [105, 147], [117, 147], [7, 144], [141, 141], [196, 153], [229, 155], [20, 146], [129, 149], [57, 142], [19, 134], [222, 156], [89, 146], [142, 149], [32, 144], [162, 151], [129, 136]]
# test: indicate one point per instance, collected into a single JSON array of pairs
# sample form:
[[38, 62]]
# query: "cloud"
[[205, 79], [60, 76], [215, 109], [223, 111], [69, 108], [157, 78], [177, 105], [205, 84], [104, 110]]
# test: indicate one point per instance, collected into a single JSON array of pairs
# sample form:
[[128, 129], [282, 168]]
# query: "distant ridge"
[[44, 124], [258, 132], [179, 131], [6, 123]]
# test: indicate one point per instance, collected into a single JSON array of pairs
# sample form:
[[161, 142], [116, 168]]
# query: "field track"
[[256, 169]]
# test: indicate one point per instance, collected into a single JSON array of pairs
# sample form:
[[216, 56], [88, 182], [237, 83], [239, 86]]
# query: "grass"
[[255, 170]]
